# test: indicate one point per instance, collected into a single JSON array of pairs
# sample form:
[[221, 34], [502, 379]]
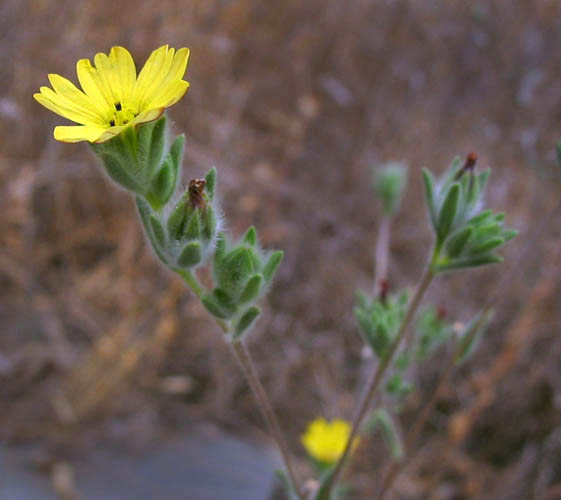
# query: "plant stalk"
[[244, 358], [379, 372], [381, 261]]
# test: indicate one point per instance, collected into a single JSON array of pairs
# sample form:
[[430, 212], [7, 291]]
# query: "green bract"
[[379, 319], [241, 274], [183, 235], [432, 331], [389, 184], [140, 160], [466, 235]]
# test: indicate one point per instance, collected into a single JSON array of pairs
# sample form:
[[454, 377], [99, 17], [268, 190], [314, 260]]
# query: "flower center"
[[122, 116]]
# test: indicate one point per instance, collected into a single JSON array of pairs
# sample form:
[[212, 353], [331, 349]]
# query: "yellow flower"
[[325, 441], [113, 98]]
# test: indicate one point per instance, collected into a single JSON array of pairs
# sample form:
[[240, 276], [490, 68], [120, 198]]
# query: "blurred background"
[[294, 102]]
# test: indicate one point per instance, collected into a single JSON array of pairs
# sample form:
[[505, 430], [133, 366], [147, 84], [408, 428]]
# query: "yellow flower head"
[[325, 441], [113, 98]]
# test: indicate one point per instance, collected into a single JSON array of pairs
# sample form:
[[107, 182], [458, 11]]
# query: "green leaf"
[[323, 492], [289, 488], [250, 236], [252, 289], [234, 270], [481, 217], [246, 322], [211, 182], [209, 223], [176, 151], [157, 145], [483, 177], [479, 260], [448, 211], [163, 186], [487, 245], [145, 213], [158, 231], [176, 220], [117, 171], [429, 193], [219, 304], [509, 234], [558, 151], [458, 240], [472, 334], [191, 255], [380, 419], [272, 265]]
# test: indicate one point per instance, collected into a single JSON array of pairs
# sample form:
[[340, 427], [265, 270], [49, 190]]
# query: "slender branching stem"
[[244, 358], [397, 466], [379, 372], [381, 258]]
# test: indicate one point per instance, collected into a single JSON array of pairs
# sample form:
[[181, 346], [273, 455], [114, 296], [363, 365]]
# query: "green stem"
[[199, 290], [379, 372], [192, 282], [244, 358]]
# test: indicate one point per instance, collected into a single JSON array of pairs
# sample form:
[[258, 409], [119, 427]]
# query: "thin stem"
[[199, 290], [382, 254], [379, 372], [192, 282], [244, 358]]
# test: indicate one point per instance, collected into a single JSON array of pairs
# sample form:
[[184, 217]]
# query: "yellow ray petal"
[[94, 87], [61, 106], [77, 133], [125, 70], [169, 96], [107, 77], [71, 94], [151, 75]]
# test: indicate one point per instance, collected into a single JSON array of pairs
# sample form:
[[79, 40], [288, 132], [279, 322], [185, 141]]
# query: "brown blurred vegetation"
[[294, 102]]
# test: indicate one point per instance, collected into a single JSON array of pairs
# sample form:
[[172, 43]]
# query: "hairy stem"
[[379, 372], [244, 358], [381, 261]]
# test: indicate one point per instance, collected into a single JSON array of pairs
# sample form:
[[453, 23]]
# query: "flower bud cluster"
[[184, 234], [466, 235], [241, 273]]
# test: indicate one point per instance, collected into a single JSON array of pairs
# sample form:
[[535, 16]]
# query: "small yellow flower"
[[325, 441], [113, 98]]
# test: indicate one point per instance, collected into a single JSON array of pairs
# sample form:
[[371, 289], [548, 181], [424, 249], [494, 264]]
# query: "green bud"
[[234, 270], [466, 236], [389, 184], [191, 255], [246, 322]]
